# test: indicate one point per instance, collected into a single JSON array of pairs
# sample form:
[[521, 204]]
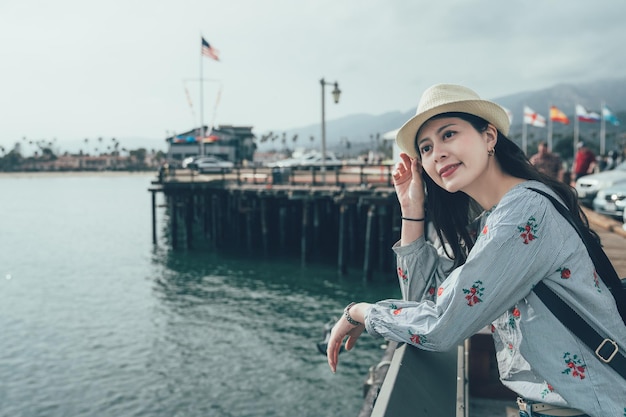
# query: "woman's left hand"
[[340, 330]]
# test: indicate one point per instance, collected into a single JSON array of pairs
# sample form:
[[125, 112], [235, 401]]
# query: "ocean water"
[[95, 320]]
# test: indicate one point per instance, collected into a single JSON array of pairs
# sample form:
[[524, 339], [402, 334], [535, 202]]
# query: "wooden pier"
[[349, 215]]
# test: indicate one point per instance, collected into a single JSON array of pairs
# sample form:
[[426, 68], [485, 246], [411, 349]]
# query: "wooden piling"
[[249, 213], [188, 218], [154, 232], [303, 238], [342, 240], [264, 227], [173, 206], [282, 227], [215, 220], [383, 250], [367, 252]]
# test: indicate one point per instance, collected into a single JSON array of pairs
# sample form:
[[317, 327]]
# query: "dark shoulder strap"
[[605, 349], [598, 256]]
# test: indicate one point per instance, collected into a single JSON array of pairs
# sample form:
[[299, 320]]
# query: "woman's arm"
[[407, 179]]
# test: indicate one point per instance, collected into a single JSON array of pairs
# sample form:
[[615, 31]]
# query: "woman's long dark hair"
[[451, 213]]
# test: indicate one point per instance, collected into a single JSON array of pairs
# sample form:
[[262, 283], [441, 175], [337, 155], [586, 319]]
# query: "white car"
[[209, 163], [588, 186], [309, 160], [611, 201]]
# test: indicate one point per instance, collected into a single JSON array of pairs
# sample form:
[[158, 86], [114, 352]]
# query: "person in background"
[[547, 162], [610, 161], [457, 165], [584, 161]]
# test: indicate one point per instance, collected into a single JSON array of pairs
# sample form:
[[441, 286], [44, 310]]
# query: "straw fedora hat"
[[445, 98]]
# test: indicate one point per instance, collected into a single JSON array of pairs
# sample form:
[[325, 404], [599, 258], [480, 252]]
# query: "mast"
[[602, 129], [576, 127], [201, 135], [524, 131], [550, 127]]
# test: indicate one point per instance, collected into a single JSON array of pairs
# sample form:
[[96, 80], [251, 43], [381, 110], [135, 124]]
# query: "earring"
[[491, 152]]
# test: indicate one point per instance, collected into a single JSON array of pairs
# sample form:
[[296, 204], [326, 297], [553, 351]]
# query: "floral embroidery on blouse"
[[418, 339], [529, 230], [431, 291], [474, 227], [565, 272], [474, 293], [575, 366], [547, 390], [403, 275], [396, 309], [596, 283], [439, 291], [514, 317]]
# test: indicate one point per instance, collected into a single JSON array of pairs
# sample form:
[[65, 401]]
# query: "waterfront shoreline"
[[40, 174]]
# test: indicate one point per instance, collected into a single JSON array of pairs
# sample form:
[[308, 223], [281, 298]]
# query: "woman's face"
[[454, 154]]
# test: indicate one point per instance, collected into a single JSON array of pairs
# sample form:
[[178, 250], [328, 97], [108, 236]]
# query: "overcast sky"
[[74, 69]]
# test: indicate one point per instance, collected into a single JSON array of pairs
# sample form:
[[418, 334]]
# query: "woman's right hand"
[[407, 179]]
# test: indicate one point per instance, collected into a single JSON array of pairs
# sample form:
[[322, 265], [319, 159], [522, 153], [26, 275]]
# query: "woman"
[[458, 162]]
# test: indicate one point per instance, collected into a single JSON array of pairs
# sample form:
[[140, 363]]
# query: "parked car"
[[185, 162], [611, 201], [209, 163], [309, 160], [588, 186], [285, 163]]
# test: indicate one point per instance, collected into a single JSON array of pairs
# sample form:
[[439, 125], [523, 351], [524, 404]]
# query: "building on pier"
[[228, 142]]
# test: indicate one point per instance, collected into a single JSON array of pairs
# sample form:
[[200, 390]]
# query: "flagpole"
[[524, 129], [550, 127], [201, 138], [217, 102], [602, 129], [575, 130]]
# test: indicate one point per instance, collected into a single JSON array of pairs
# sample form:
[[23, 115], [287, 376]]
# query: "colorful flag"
[[208, 50], [557, 115], [533, 118], [585, 116], [608, 116]]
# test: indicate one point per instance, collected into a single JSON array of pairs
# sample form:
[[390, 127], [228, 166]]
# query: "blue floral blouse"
[[521, 241]]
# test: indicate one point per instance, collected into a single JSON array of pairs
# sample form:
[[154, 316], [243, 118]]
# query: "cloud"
[[119, 69]]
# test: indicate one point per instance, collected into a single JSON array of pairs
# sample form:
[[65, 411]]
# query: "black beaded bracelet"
[[346, 313], [413, 220]]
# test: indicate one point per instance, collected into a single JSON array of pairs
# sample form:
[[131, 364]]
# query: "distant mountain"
[[361, 129], [566, 96]]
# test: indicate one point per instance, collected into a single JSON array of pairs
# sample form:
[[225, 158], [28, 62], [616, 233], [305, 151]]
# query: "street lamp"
[[336, 93]]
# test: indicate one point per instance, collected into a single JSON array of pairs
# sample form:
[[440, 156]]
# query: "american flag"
[[208, 50]]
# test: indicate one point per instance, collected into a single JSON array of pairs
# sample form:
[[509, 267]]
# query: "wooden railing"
[[372, 175]]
